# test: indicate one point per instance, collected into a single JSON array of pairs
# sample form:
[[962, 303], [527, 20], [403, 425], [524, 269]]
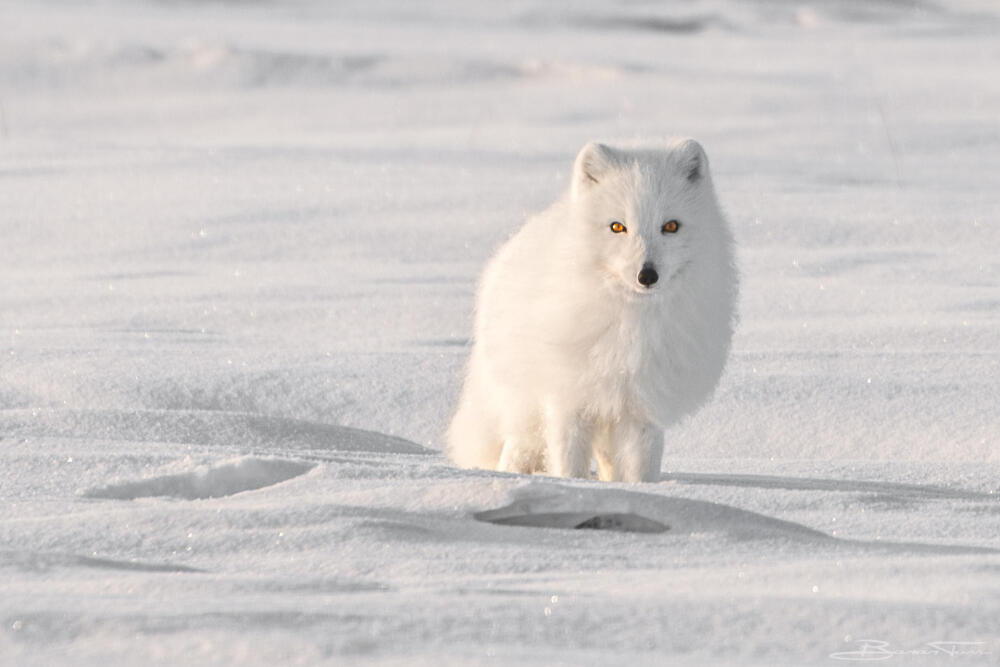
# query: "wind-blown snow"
[[239, 250], [224, 479]]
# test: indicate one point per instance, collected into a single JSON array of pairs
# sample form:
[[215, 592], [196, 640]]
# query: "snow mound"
[[544, 505], [551, 506], [226, 479]]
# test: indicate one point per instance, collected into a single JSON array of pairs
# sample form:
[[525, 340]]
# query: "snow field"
[[240, 245]]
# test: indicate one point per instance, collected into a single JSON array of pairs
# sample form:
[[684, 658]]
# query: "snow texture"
[[239, 251]]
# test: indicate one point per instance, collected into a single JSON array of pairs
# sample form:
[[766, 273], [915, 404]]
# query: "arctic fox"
[[605, 319]]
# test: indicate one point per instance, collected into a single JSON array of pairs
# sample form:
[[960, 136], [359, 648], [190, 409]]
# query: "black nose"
[[648, 276]]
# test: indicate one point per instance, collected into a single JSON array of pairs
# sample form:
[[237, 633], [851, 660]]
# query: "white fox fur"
[[573, 358]]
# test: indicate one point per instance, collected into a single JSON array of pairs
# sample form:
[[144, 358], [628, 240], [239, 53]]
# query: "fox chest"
[[623, 372]]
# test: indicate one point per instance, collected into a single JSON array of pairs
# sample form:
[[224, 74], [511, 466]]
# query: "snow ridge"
[[225, 479]]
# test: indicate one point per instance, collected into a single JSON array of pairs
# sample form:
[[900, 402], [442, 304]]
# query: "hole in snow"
[[224, 479], [620, 522]]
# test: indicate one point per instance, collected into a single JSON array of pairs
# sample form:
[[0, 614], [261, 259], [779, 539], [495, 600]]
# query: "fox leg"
[[568, 439], [632, 452], [602, 451], [520, 454]]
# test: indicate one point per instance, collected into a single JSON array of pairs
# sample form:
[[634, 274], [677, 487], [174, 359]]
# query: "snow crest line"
[[37, 561], [892, 489], [205, 427], [226, 479]]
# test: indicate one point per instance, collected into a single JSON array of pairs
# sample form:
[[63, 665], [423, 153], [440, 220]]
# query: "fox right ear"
[[591, 164], [692, 158]]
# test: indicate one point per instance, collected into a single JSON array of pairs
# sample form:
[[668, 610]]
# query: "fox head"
[[644, 216]]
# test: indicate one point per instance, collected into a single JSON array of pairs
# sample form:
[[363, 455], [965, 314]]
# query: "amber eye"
[[618, 227], [670, 227]]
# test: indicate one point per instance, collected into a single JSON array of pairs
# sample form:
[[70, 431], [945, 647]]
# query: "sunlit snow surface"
[[238, 250]]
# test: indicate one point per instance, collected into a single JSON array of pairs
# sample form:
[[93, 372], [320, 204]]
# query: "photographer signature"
[[875, 649]]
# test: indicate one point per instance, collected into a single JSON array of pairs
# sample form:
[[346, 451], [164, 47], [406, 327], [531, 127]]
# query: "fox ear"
[[591, 164], [692, 159]]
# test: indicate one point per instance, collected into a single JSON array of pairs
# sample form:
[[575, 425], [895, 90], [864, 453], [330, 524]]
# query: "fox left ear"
[[592, 163], [693, 161]]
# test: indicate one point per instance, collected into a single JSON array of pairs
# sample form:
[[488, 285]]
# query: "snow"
[[240, 243], [228, 478]]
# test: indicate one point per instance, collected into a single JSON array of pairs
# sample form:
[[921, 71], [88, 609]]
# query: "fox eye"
[[618, 227], [670, 227]]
